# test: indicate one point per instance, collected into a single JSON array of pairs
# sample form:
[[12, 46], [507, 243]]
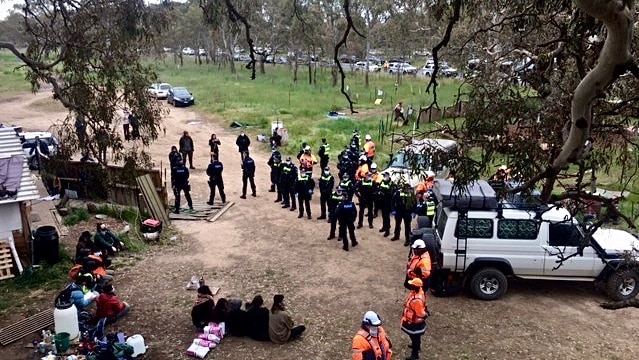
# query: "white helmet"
[[363, 158], [368, 137], [419, 244], [373, 166], [430, 174], [307, 148], [371, 318]]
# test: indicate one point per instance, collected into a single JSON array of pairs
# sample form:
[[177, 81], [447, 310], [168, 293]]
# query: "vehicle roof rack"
[[478, 195]]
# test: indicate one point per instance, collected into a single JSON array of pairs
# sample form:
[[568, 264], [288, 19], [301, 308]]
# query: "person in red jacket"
[[109, 306]]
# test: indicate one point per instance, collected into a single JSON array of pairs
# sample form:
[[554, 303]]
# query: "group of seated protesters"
[[92, 278], [255, 321]]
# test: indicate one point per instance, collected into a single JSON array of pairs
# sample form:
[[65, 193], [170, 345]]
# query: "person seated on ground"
[[84, 243], [236, 319], [280, 322], [107, 241], [109, 306], [220, 311], [202, 312], [79, 289], [257, 319], [95, 265]]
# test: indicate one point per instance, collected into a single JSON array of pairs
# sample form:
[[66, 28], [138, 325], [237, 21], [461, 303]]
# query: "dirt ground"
[[259, 248]]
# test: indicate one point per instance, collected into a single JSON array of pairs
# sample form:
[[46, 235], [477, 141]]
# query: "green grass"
[[13, 80], [76, 216], [302, 107], [18, 291]]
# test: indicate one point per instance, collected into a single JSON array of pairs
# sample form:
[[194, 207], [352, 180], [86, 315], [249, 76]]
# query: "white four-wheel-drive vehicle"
[[484, 241], [28, 140], [159, 91]]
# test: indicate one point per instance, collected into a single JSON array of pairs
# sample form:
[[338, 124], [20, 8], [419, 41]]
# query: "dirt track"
[[259, 248]]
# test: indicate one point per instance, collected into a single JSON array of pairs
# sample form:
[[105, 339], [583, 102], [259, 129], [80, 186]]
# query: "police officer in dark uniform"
[[248, 174], [347, 186], [174, 157], [385, 192], [179, 183], [287, 181], [333, 202], [304, 187], [275, 163], [324, 154], [403, 205], [214, 171], [365, 189], [326, 184], [346, 214]]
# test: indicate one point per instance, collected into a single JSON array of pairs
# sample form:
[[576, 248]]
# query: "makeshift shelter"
[[17, 189]]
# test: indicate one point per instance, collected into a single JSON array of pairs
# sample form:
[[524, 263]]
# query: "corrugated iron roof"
[[10, 145]]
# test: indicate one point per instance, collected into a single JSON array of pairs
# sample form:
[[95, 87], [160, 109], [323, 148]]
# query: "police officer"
[[174, 157], [326, 184], [248, 174], [275, 163], [403, 205], [355, 141], [347, 186], [304, 187], [384, 199], [324, 154], [287, 182], [365, 190], [346, 214], [431, 205], [214, 171], [179, 183], [333, 202]]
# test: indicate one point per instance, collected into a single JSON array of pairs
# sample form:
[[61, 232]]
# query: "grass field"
[[12, 79], [302, 107]]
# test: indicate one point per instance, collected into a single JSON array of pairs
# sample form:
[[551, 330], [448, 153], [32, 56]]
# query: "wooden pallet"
[[6, 260], [26, 326], [152, 199]]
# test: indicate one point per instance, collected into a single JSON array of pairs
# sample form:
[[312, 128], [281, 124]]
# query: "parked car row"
[[176, 96], [190, 51]]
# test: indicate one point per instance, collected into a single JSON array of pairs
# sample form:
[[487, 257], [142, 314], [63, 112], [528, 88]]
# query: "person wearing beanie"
[[280, 323], [202, 312], [109, 306]]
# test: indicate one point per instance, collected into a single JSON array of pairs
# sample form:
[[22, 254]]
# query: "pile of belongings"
[[207, 340]]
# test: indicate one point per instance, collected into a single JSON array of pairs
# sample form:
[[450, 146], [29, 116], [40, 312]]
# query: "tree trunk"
[[368, 49], [617, 18], [334, 75], [295, 67]]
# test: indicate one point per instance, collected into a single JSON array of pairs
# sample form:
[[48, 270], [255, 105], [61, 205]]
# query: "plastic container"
[[46, 245], [65, 318], [137, 342], [62, 342]]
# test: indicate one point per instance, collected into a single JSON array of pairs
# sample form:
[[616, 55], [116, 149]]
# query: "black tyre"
[[423, 222], [488, 284], [623, 285]]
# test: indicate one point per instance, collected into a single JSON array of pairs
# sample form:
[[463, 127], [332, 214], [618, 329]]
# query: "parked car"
[[188, 51], [401, 67], [444, 69], [159, 91], [28, 142], [180, 96], [201, 52], [410, 164], [484, 240], [361, 66]]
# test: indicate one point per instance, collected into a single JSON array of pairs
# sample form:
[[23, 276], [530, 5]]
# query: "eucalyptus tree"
[[89, 53]]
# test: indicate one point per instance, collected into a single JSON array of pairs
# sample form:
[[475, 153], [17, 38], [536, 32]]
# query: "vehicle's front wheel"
[[623, 284], [488, 284]]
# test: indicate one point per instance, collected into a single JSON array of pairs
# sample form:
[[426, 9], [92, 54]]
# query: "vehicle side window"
[[442, 218], [517, 229], [564, 235], [474, 228]]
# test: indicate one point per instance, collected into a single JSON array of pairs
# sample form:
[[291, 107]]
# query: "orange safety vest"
[[369, 149], [422, 262], [363, 341], [415, 308], [424, 186], [307, 161], [377, 177], [362, 170]]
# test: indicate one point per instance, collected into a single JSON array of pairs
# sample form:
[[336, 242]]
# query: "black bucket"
[[45, 245]]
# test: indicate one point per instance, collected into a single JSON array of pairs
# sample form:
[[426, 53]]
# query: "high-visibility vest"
[[379, 345], [326, 177], [301, 177], [415, 308], [327, 150], [430, 208], [422, 262]]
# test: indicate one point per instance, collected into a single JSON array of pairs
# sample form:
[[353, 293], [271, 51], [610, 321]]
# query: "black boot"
[[272, 188]]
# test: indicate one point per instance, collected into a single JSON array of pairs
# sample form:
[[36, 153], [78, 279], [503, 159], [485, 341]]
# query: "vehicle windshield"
[[181, 92], [165, 87], [410, 161]]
